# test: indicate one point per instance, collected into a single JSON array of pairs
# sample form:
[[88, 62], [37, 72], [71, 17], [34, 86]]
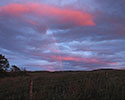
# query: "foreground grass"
[[65, 86], [14, 88]]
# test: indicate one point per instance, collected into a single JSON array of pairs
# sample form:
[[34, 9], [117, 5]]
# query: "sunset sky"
[[58, 35]]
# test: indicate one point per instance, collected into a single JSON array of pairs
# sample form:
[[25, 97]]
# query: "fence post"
[[106, 75], [31, 89]]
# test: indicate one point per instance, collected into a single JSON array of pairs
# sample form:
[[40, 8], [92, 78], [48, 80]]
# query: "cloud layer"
[[63, 35]]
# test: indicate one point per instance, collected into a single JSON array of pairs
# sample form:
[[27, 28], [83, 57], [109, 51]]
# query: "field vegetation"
[[80, 85]]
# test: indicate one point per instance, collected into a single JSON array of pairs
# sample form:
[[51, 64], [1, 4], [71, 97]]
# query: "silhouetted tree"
[[15, 69], [4, 63]]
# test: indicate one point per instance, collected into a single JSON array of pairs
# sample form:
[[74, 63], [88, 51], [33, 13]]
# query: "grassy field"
[[65, 86]]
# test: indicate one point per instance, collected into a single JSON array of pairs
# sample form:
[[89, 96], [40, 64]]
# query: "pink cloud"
[[60, 15], [80, 59]]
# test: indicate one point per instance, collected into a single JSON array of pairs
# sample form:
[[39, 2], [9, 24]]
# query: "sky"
[[61, 35]]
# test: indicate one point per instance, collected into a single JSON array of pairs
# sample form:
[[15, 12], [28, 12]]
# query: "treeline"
[[7, 70]]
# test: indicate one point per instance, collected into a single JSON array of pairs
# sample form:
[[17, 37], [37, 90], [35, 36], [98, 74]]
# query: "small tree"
[[15, 69], [4, 63], [23, 69]]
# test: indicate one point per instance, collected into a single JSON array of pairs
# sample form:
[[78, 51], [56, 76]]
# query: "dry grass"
[[65, 86]]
